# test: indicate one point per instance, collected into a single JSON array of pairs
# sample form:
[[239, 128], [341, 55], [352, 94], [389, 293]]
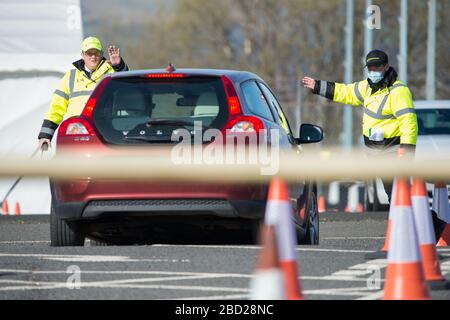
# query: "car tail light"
[[166, 75], [92, 101], [76, 126], [244, 124], [232, 98], [78, 132]]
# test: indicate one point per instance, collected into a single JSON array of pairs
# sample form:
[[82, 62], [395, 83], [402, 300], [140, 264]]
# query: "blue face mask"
[[375, 76]]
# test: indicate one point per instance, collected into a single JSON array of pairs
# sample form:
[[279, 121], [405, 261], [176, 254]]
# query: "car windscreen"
[[433, 121], [142, 110]]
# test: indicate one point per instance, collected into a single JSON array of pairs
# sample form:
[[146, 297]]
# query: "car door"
[[300, 191]]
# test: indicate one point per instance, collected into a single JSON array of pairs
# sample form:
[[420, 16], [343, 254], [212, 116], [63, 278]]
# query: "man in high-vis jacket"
[[389, 122], [78, 83]]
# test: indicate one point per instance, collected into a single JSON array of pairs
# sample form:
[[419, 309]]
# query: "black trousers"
[[388, 185]]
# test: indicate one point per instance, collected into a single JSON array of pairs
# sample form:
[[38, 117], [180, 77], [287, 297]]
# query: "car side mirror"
[[310, 133]]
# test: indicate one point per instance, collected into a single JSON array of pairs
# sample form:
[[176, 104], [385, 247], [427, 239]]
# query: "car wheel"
[[61, 234], [311, 234]]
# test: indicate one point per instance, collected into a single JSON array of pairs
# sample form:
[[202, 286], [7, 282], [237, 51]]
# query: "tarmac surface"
[[336, 269]]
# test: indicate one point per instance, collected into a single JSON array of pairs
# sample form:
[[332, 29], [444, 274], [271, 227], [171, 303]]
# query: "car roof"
[[234, 75], [432, 104]]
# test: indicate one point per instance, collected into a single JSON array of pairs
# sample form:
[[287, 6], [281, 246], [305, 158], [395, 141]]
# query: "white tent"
[[38, 42]]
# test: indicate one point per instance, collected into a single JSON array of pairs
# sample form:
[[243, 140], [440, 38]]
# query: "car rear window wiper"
[[170, 122]]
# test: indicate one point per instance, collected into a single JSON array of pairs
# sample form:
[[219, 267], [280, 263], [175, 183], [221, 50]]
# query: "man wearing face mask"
[[389, 120]]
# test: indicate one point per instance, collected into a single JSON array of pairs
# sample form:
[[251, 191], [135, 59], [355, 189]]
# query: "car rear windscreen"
[[141, 110], [433, 121]]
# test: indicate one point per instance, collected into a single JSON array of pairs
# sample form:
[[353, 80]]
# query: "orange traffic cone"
[[442, 208], [382, 254], [5, 208], [267, 282], [279, 213], [17, 209], [425, 231], [360, 208], [405, 278], [444, 241], [322, 204]]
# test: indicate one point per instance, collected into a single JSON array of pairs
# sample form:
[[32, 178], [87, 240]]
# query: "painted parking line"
[[87, 258], [23, 242], [354, 291], [374, 296], [352, 238], [203, 274], [121, 281], [259, 247], [30, 285], [114, 284]]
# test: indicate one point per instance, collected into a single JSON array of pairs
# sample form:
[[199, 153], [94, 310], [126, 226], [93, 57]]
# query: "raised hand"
[[114, 55], [309, 83]]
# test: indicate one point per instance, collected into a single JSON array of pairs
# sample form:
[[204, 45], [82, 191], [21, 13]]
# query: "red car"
[[144, 109]]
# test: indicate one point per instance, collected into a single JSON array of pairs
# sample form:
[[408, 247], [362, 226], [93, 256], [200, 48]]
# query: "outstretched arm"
[[352, 94]]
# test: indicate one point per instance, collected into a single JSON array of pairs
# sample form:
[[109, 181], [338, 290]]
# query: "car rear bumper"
[[87, 199], [248, 209]]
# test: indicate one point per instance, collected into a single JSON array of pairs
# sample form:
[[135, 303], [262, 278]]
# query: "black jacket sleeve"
[[324, 89], [48, 129], [122, 66]]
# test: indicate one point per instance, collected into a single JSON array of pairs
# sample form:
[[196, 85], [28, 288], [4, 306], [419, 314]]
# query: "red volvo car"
[[144, 109]]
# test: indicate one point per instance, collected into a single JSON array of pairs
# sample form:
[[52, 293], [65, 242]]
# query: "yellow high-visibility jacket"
[[73, 92], [388, 112]]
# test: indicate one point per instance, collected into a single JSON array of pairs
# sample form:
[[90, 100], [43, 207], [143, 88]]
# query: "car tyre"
[[63, 235], [311, 236]]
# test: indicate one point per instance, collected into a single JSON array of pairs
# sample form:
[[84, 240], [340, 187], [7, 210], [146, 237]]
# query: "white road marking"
[[445, 266], [122, 281], [334, 250], [31, 285], [352, 238], [23, 242], [259, 247], [88, 258], [212, 275], [354, 291], [374, 296], [125, 272], [358, 271]]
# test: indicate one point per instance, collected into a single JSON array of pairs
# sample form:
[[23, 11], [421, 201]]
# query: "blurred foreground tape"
[[161, 165]]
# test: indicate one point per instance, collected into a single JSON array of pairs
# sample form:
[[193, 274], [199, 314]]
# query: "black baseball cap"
[[376, 58]]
